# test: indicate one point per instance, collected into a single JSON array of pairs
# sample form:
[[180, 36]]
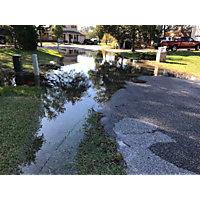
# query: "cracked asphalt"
[[156, 125]]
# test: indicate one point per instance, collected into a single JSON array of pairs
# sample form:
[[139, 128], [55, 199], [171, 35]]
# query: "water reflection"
[[95, 78], [108, 77], [64, 88]]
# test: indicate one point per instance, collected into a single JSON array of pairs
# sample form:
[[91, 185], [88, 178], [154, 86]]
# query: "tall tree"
[[57, 31], [25, 36], [184, 29], [149, 33], [98, 31], [42, 30], [132, 31], [119, 32]]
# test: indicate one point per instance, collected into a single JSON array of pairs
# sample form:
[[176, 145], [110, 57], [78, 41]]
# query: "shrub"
[[114, 45]]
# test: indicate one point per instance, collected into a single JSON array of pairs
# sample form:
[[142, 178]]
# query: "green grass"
[[19, 119], [104, 44], [44, 57], [187, 62], [12, 91], [96, 154]]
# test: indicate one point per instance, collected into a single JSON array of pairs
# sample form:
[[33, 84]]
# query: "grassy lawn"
[[44, 57], [96, 154], [181, 61], [104, 44], [19, 120]]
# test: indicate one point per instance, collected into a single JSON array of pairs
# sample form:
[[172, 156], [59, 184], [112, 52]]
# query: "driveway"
[[156, 125]]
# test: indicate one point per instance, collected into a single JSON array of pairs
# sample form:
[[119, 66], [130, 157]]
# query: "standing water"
[[85, 80]]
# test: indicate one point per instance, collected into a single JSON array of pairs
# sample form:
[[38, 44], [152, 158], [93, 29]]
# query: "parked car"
[[181, 42], [95, 41], [88, 42], [2, 38], [158, 44]]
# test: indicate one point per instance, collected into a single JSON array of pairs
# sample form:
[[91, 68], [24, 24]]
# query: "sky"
[[79, 26]]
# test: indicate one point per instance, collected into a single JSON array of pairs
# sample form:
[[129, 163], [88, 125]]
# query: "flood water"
[[85, 80]]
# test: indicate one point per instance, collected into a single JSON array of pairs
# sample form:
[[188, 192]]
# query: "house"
[[195, 32], [71, 35]]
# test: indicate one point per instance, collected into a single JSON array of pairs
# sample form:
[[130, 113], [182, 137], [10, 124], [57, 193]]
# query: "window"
[[176, 39], [184, 39], [75, 37], [73, 26]]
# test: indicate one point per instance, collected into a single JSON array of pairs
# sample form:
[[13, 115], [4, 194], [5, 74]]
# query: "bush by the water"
[[114, 45]]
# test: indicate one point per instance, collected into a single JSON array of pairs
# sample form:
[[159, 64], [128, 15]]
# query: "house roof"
[[72, 32], [83, 33]]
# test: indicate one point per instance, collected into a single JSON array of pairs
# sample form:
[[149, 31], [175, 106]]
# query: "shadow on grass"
[[174, 63], [184, 53]]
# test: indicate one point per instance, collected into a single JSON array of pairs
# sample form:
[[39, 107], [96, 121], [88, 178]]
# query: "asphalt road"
[[156, 125]]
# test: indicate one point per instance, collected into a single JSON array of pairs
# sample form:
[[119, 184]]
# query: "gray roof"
[[72, 32]]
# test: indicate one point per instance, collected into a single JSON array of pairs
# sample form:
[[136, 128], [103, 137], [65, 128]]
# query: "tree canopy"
[[25, 36]]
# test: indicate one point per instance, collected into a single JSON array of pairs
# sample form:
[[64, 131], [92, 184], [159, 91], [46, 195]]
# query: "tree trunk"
[[133, 38], [164, 31], [15, 43], [133, 48], [40, 39]]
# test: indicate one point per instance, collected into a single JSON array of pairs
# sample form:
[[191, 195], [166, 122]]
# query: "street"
[[156, 125]]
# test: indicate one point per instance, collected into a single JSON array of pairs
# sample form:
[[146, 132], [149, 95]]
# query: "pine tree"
[[25, 36]]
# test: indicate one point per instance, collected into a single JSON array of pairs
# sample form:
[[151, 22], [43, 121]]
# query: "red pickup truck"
[[181, 42]]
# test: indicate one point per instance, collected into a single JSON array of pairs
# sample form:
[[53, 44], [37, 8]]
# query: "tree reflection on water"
[[64, 88], [59, 89], [108, 77]]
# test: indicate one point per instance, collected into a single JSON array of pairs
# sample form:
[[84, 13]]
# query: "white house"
[[195, 32], [72, 35]]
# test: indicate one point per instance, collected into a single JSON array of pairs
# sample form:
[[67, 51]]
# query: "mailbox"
[[162, 49], [161, 54], [17, 61]]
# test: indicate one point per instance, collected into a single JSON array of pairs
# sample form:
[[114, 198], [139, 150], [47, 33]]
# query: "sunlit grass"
[[181, 61], [44, 57]]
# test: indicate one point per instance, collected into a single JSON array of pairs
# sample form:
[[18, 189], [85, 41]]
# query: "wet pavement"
[[84, 80]]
